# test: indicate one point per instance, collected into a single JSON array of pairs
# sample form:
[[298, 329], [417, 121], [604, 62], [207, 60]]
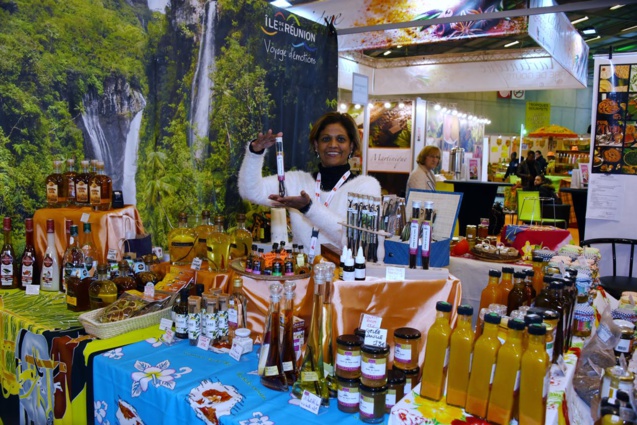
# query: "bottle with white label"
[[209, 320], [534, 378], [359, 265], [50, 276], [485, 353], [29, 269], [181, 315], [349, 272], [237, 308], [425, 235], [414, 233], [8, 261]]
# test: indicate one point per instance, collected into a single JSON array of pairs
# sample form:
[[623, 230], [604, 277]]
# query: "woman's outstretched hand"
[[296, 202], [264, 141]]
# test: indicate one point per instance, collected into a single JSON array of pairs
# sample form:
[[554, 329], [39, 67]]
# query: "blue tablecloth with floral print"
[[152, 383]]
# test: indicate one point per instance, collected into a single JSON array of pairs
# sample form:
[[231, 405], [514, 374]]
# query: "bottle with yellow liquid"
[[534, 379], [218, 247], [483, 367], [460, 348], [241, 239], [506, 284], [538, 276], [490, 294], [203, 230], [181, 242], [434, 370], [506, 382], [529, 319]]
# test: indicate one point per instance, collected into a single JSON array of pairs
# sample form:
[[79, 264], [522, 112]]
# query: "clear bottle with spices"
[[210, 318], [406, 348], [460, 349], [437, 354], [372, 403], [395, 388], [348, 394], [222, 322], [326, 329], [237, 308], [348, 356]]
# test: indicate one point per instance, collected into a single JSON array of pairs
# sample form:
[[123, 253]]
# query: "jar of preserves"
[[395, 388], [374, 365], [471, 234], [372, 403], [348, 395], [406, 345], [625, 344], [616, 379], [348, 356], [412, 378]]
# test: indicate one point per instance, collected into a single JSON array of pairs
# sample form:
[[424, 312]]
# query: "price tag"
[[33, 289], [196, 263], [236, 351], [165, 324], [394, 274], [85, 217], [112, 254], [370, 322], [203, 342], [310, 402], [375, 337], [169, 336], [159, 252], [561, 367], [149, 290]]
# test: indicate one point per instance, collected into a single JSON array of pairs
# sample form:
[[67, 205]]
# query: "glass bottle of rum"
[[241, 238], [8, 260], [204, 229], [29, 269], [181, 242], [68, 183], [125, 281], [272, 375], [288, 355], [102, 291], [77, 297], [91, 254], [54, 186], [237, 308], [73, 255], [81, 185], [50, 276], [218, 247], [100, 189]]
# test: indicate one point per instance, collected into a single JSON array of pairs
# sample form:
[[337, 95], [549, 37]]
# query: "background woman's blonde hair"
[[427, 151]]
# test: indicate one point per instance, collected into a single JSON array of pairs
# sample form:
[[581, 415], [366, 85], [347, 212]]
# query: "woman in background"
[[423, 177]]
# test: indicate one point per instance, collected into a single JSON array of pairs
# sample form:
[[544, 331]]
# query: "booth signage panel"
[[389, 160]]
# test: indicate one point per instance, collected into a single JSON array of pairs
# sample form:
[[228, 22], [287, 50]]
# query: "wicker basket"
[[108, 330]]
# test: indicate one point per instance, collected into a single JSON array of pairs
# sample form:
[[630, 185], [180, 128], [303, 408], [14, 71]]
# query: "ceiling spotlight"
[[444, 110], [577, 21], [387, 105], [589, 31], [593, 39], [454, 112], [387, 52], [370, 106], [629, 28], [281, 3], [471, 117], [401, 105], [617, 6], [436, 107], [513, 43], [357, 106], [343, 106]]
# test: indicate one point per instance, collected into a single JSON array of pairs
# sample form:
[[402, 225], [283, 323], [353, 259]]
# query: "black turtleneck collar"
[[331, 175]]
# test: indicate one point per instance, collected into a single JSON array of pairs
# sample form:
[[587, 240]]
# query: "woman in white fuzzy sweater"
[[334, 138]]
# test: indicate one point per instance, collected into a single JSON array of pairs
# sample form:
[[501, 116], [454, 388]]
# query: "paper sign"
[[203, 342], [169, 336], [370, 322], [196, 263], [236, 351], [33, 289], [149, 290], [561, 369], [112, 254], [376, 337], [165, 324], [158, 251], [394, 274], [85, 217], [310, 402]]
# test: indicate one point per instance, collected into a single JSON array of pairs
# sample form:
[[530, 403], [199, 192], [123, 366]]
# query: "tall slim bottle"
[[50, 276], [426, 232], [326, 330], [280, 166], [237, 308], [194, 319], [8, 260], [288, 355], [491, 293], [414, 233], [460, 348], [434, 370], [68, 182], [538, 277], [529, 290], [517, 297], [272, 375], [483, 367], [92, 256], [81, 185], [100, 190], [54, 184], [29, 268], [506, 382], [534, 379]]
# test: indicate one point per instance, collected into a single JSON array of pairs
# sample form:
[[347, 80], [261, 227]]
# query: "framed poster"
[[583, 169]]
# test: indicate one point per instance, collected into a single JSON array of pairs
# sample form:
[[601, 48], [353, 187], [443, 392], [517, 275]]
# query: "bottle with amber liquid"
[[237, 308], [219, 247], [241, 239], [29, 270], [506, 284], [8, 260], [81, 185], [534, 379], [102, 291], [125, 280], [100, 189], [54, 186], [202, 231], [146, 276], [529, 290], [181, 242], [68, 185], [553, 301], [490, 294], [272, 374], [288, 355], [74, 267], [517, 296], [91, 255], [460, 348], [434, 370], [538, 276]]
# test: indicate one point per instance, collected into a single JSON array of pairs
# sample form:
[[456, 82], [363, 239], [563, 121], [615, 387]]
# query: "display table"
[[580, 202], [414, 409], [109, 228], [523, 236]]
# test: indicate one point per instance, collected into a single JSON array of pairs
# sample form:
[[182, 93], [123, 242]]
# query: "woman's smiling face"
[[333, 145]]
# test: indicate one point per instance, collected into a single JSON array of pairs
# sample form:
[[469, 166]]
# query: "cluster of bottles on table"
[[88, 188], [88, 282], [222, 318], [211, 242]]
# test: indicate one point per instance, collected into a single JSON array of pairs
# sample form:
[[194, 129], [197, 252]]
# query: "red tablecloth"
[[544, 236]]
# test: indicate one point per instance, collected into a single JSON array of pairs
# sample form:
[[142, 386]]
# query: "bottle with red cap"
[[8, 262], [29, 272]]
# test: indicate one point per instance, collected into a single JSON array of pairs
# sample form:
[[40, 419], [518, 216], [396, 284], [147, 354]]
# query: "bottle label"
[[222, 323], [47, 272], [233, 317], [71, 184], [6, 274], [623, 346], [390, 399], [52, 193], [287, 366], [181, 323], [374, 368], [71, 300], [348, 397], [402, 353], [194, 325], [349, 275], [95, 194], [426, 238], [81, 192], [309, 376], [413, 237], [27, 270], [271, 370], [348, 360], [211, 325], [359, 272], [366, 407]]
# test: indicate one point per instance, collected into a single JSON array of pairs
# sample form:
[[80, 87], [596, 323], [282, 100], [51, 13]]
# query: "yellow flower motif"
[[438, 410]]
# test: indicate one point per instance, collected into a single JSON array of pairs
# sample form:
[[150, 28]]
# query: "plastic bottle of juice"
[[538, 277], [491, 291], [506, 383], [460, 348], [529, 320], [436, 354], [534, 379], [483, 367], [506, 284], [516, 298]]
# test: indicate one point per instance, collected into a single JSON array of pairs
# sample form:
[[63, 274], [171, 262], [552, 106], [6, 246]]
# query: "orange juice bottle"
[[460, 349], [506, 382], [506, 284], [483, 367], [490, 292], [538, 277], [529, 319], [534, 379], [434, 370]]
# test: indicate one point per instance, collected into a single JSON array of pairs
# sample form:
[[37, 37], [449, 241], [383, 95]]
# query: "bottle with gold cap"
[[434, 370]]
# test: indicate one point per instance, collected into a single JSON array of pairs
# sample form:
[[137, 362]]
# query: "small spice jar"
[[372, 404], [348, 356], [374, 365], [406, 344], [395, 388], [625, 344], [412, 378], [471, 233], [348, 395], [242, 338]]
